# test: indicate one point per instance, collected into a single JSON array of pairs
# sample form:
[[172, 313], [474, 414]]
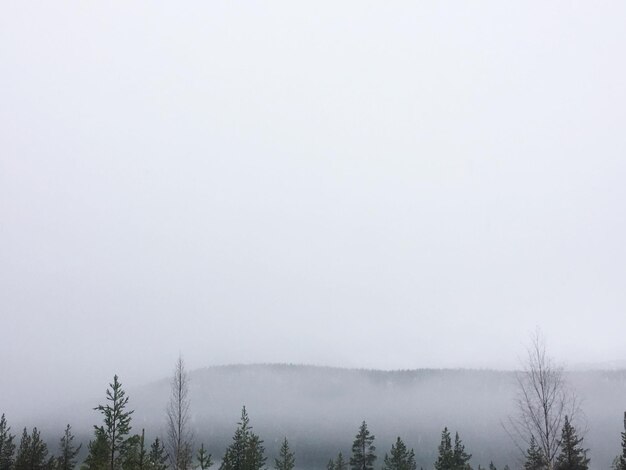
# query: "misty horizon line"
[[617, 364]]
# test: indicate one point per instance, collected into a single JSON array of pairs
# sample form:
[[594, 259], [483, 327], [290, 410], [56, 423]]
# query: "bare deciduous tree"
[[179, 436], [542, 402]]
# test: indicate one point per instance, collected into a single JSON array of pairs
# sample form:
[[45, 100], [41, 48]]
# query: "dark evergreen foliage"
[[286, 458], [246, 452], [135, 453], [32, 453], [573, 456], [7, 446], [23, 452], [445, 459], [204, 458], [116, 423], [67, 451], [400, 457], [534, 457], [130, 457], [363, 449], [620, 461], [460, 457], [157, 458], [99, 451], [340, 462], [255, 455], [452, 458], [142, 461]]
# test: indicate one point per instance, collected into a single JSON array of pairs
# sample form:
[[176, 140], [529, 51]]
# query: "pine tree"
[[68, 451], [620, 461], [492, 466], [573, 456], [129, 458], [135, 455], [116, 423], [255, 458], [157, 458], [7, 446], [22, 459], [330, 465], [204, 459], [99, 451], [534, 458], [460, 457], [142, 461], [234, 457], [246, 452], [286, 459], [340, 462], [445, 459], [363, 449], [32, 453], [400, 457]]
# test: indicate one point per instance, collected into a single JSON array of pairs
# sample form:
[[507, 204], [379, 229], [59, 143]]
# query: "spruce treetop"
[[400, 457], [573, 456], [363, 449], [286, 459]]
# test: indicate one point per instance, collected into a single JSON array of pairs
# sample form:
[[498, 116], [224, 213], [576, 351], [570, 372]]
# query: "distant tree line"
[[114, 447]]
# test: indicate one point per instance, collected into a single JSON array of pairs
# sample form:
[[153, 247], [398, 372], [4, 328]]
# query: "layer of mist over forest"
[[360, 184], [319, 409]]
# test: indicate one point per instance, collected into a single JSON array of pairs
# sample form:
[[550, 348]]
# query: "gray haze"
[[319, 410], [361, 184]]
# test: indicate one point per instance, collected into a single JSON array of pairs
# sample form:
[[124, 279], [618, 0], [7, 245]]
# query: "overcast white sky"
[[371, 184]]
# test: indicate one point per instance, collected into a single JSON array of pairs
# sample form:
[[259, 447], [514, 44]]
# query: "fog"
[[320, 409], [346, 184]]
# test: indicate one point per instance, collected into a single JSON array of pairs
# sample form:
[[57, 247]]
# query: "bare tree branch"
[[542, 402], [179, 436]]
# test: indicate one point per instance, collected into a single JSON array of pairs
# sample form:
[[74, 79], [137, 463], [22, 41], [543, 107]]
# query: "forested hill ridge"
[[319, 409]]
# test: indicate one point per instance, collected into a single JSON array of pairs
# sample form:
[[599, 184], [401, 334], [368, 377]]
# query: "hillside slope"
[[320, 408]]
